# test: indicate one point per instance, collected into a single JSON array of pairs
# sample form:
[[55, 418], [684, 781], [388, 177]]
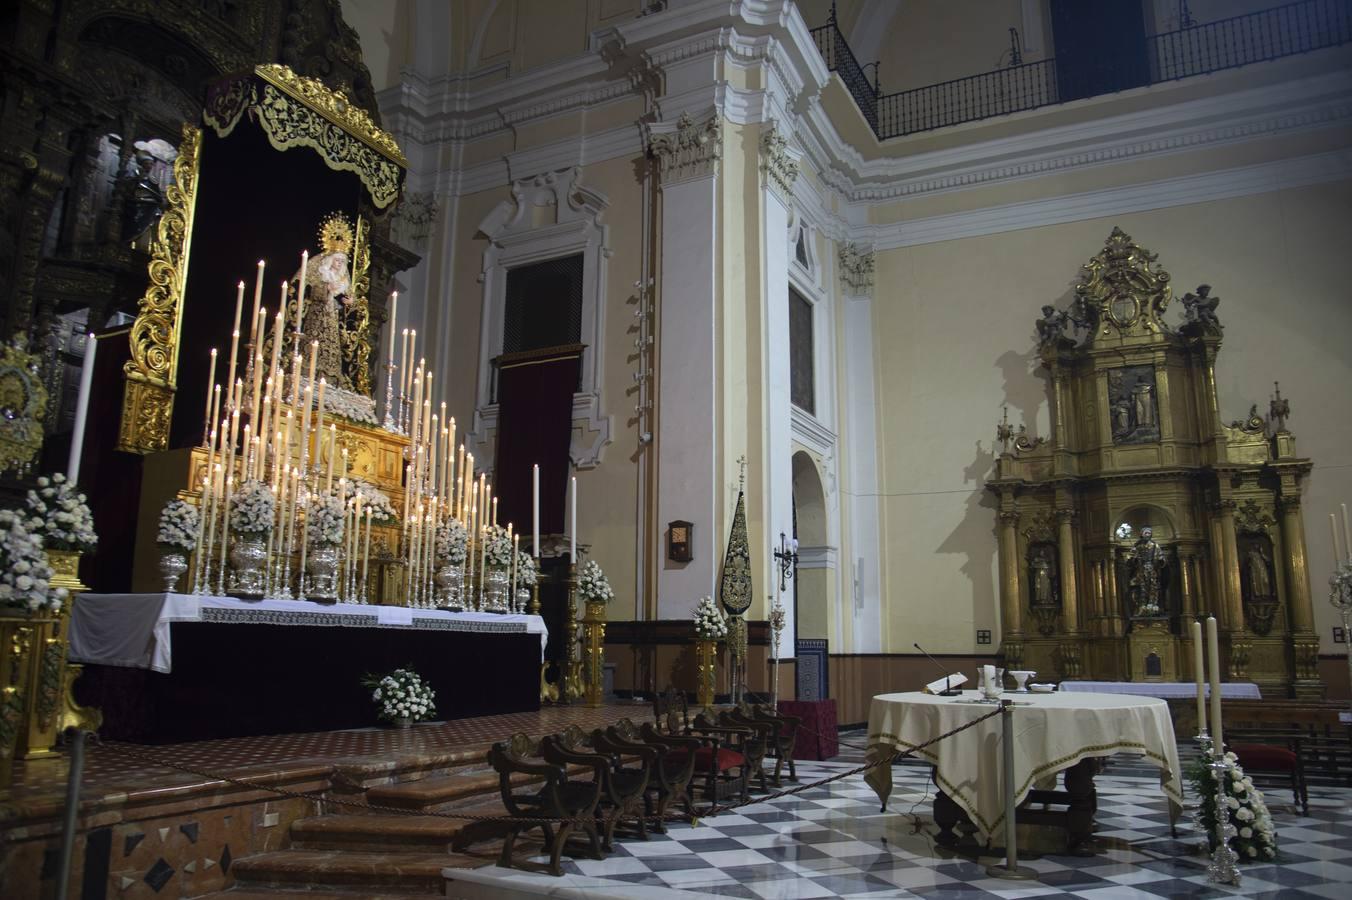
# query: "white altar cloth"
[[1052, 732], [132, 630], [1165, 690]]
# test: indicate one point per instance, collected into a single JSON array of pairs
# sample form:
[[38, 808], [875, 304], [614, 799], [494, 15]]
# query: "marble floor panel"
[[832, 841]]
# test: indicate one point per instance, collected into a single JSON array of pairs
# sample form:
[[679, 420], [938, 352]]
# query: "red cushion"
[[727, 759], [1264, 756]]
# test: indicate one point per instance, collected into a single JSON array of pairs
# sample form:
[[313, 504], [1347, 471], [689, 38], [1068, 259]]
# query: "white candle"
[[516, 549], [81, 410], [572, 526], [300, 293], [365, 559], [333, 456], [1337, 547], [403, 369], [535, 507], [234, 342], [1199, 675], [394, 315], [1347, 534], [319, 428], [258, 298], [1213, 647], [206, 414]]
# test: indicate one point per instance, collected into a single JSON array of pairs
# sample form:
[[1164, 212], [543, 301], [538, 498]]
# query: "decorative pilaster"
[[1298, 597], [778, 161], [1010, 609], [1065, 546], [687, 149], [1231, 599], [856, 269]]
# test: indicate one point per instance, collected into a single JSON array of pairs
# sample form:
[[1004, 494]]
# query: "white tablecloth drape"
[[1052, 732], [132, 630], [1165, 690]]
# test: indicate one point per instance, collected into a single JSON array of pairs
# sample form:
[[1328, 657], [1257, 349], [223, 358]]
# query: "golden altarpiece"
[[1143, 508], [296, 166]]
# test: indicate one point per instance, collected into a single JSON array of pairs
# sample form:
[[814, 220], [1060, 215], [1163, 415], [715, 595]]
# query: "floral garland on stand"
[[592, 585], [497, 547], [252, 508], [1255, 835], [451, 542], [179, 524], [63, 516], [25, 576], [326, 520], [375, 500], [527, 575], [710, 625], [403, 697]]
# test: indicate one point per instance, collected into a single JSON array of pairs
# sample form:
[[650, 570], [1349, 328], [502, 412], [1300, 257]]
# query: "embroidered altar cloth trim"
[[132, 630], [1165, 690], [1052, 732]]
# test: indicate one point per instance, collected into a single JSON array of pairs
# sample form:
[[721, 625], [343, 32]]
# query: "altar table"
[[179, 667], [1165, 690], [1053, 733]]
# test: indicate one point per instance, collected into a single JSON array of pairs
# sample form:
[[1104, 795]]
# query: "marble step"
[[401, 873]]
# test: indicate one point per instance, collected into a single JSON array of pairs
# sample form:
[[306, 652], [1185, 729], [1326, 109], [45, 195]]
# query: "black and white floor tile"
[[832, 841]]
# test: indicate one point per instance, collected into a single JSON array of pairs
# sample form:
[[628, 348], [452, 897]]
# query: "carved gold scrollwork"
[[356, 332], [1119, 291], [152, 370]]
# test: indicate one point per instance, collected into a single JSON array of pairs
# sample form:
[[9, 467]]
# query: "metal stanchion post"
[[77, 748], [1011, 868]]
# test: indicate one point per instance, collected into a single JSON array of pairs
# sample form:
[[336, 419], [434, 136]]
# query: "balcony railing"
[[1198, 50]]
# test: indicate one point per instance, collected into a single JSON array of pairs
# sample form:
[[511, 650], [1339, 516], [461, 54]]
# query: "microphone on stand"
[[949, 690]]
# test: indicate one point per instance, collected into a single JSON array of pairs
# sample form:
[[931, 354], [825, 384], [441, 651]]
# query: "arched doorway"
[[813, 580]]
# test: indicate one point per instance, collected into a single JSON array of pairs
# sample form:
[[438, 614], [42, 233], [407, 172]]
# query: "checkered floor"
[[833, 842]]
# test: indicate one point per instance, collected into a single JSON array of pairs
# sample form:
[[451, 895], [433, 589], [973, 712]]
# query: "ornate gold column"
[[1229, 567], [1114, 610], [1065, 530], [1010, 608], [1304, 639], [1186, 562]]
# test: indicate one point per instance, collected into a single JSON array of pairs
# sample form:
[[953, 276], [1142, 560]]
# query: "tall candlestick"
[[403, 369], [535, 508], [81, 410], [248, 448], [277, 343], [394, 316], [319, 428], [1347, 533], [333, 457], [1214, 649], [304, 545], [225, 525], [257, 387], [300, 294], [365, 560], [1337, 547], [516, 551], [258, 298], [234, 339], [206, 413], [314, 356], [495, 512], [412, 349], [1199, 676], [572, 523]]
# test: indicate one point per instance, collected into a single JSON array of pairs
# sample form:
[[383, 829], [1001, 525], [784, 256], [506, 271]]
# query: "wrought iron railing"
[[1242, 40]]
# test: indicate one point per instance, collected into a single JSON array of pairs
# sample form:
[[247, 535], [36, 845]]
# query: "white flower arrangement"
[[402, 694], [65, 521], [252, 508], [1255, 835], [526, 573], [592, 584], [25, 577], [179, 524], [497, 547], [373, 499], [326, 520], [451, 541], [710, 625]]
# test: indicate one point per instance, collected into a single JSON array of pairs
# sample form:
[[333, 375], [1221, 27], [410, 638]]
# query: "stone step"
[[399, 873], [447, 793], [375, 832]]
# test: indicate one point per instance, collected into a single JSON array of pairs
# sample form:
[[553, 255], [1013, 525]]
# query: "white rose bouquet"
[[709, 622], [64, 519], [179, 524], [451, 541], [526, 573], [252, 508], [1255, 836], [326, 520], [25, 577], [592, 584], [375, 500], [497, 547], [402, 694]]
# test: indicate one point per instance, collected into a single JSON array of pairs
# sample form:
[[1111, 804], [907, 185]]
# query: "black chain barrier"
[[712, 810]]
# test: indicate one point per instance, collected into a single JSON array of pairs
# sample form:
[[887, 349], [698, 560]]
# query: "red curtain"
[[535, 422]]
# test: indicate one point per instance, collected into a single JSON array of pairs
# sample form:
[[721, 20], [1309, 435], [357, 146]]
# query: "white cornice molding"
[[1319, 168]]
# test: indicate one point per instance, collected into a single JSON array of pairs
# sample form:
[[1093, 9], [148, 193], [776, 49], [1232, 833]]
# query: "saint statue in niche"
[[1043, 582], [1260, 581], [1132, 405], [1145, 560]]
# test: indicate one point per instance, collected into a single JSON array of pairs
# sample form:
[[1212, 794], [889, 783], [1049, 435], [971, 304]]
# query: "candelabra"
[[391, 421], [786, 557], [1224, 868], [1340, 596]]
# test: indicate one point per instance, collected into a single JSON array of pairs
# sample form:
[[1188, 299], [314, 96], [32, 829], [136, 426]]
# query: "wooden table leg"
[[1083, 803], [947, 814]]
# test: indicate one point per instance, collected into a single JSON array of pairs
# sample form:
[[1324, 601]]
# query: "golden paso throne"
[[1143, 509]]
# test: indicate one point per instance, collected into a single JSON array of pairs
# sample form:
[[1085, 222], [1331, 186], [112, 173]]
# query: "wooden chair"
[[719, 758], [560, 797], [783, 736], [671, 772], [623, 786], [754, 745]]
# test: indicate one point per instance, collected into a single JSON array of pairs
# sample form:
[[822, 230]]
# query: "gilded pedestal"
[[594, 654], [706, 671], [19, 636], [1152, 651]]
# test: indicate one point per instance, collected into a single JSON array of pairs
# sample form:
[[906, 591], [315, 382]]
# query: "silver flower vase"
[[522, 599], [172, 566], [450, 582], [496, 585], [322, 567], [248, 554]]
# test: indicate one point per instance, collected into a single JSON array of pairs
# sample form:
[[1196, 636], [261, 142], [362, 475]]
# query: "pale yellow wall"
[[385, 28], [955, 343], [527, 34], [929, 41]]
